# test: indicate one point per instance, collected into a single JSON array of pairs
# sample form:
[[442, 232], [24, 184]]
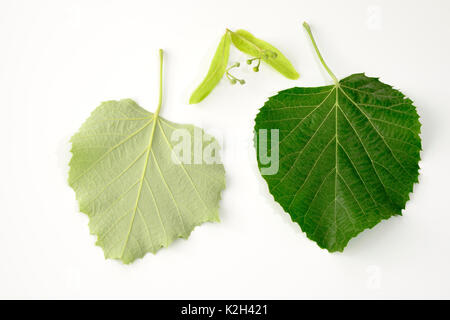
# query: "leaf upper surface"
[[137, 198], [348, 156]]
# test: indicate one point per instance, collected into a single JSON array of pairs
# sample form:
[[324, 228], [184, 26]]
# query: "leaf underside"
[[348, 156], [137, 198]]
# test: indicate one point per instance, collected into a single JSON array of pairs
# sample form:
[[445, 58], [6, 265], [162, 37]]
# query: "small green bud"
[[242, 82], [256, 69], [249, 61], [237, 64]]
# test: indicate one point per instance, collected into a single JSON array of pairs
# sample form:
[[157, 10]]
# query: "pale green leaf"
[[249, 44], [216, 70], [139, 191], [137, 199]]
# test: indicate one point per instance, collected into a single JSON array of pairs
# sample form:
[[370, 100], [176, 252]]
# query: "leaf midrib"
[[156, 122], [337, 106], [141, 181]]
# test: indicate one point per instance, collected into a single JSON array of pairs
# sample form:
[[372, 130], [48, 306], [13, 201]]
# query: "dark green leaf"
[[348, 156]]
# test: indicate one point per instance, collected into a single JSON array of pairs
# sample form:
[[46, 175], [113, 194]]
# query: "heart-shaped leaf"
[[348, 155], [139, 192]]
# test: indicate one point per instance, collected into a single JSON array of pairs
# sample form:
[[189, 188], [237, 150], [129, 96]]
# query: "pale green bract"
[[137, 197], [249, 44], [216, 70]]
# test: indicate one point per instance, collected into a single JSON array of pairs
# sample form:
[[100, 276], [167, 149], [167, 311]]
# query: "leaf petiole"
[[161, 53], [308, 29]]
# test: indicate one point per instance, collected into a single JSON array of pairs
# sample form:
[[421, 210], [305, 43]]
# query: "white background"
[[60, 59]]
